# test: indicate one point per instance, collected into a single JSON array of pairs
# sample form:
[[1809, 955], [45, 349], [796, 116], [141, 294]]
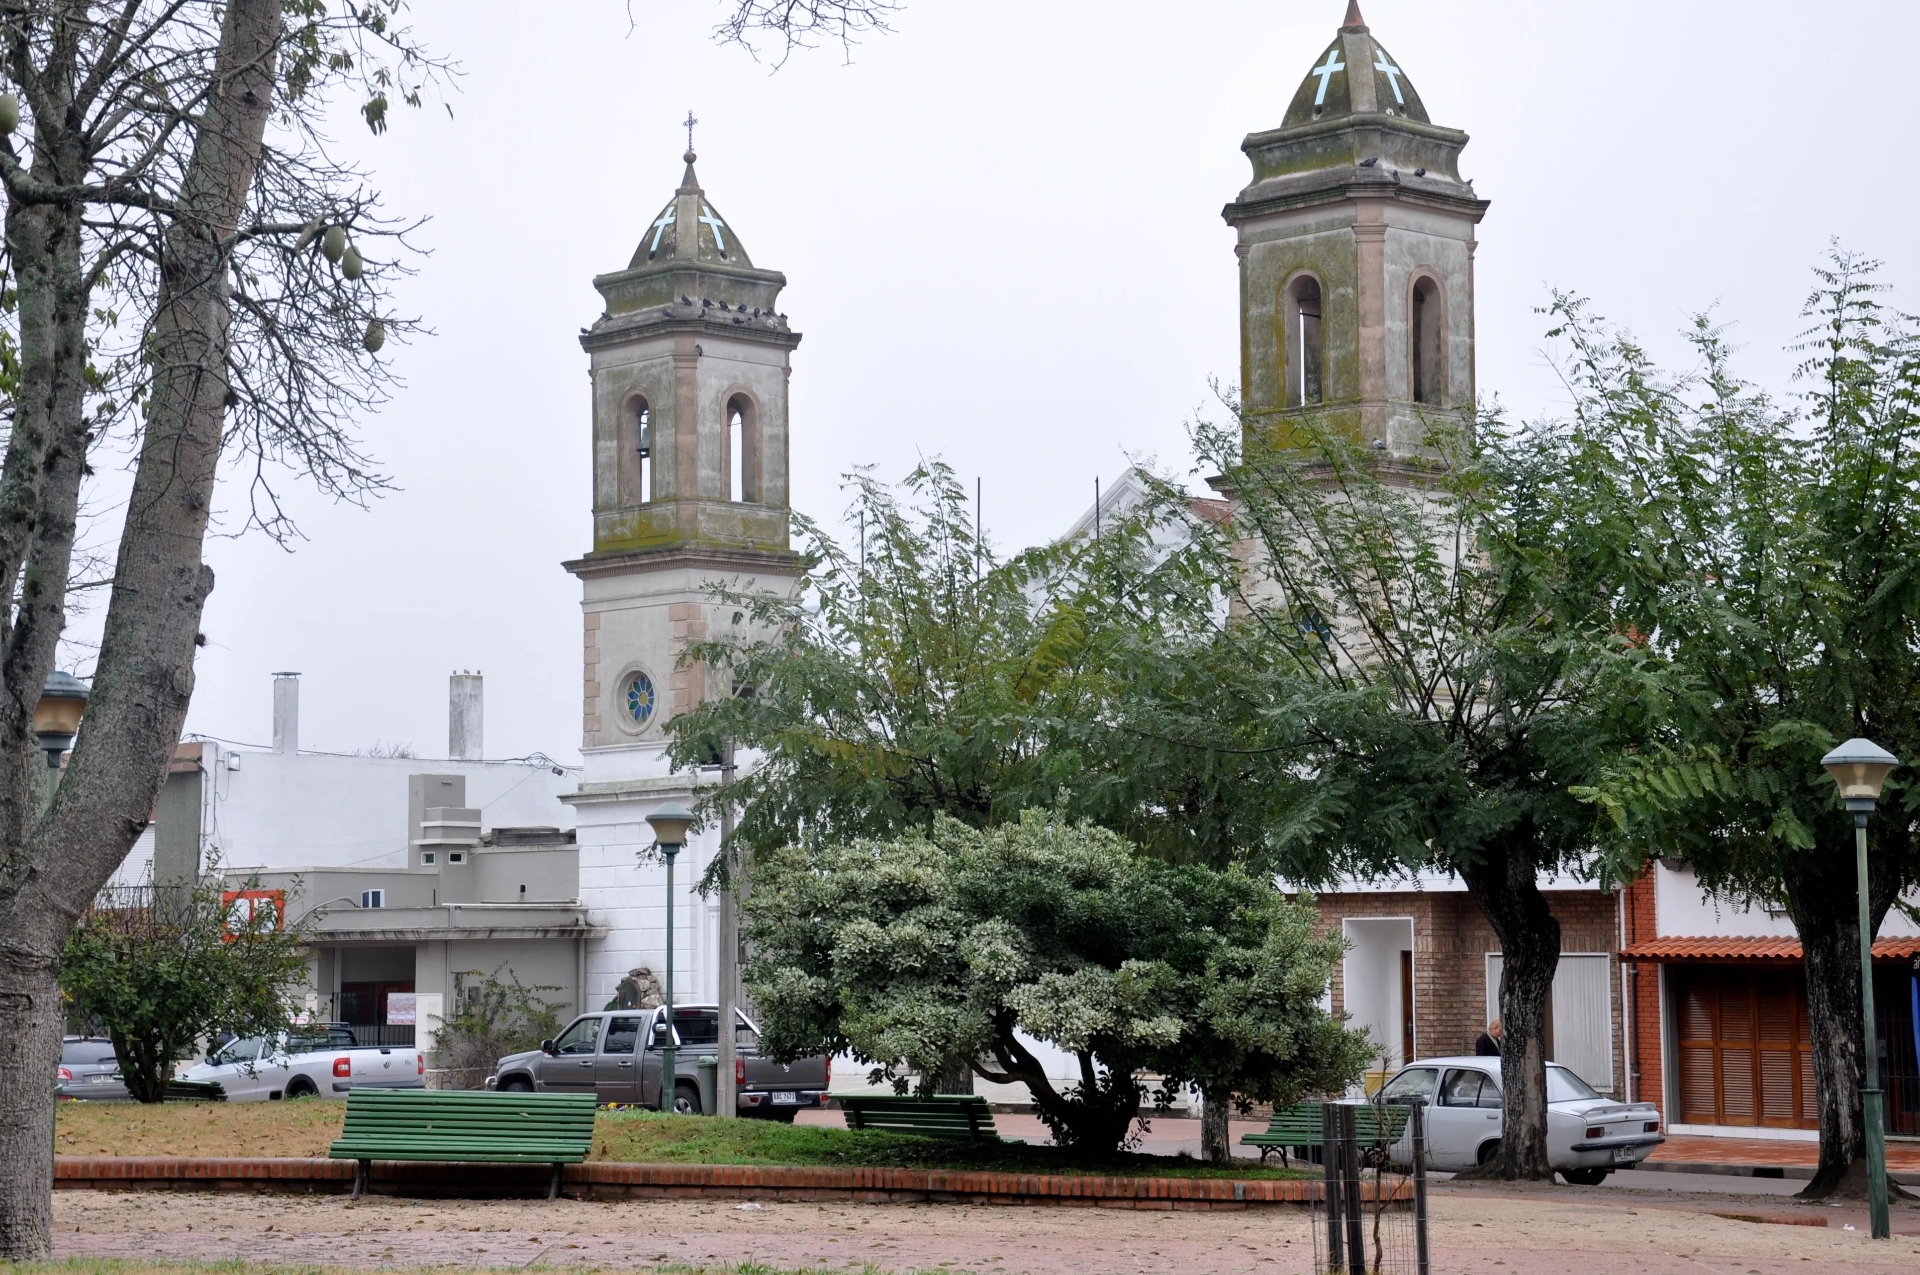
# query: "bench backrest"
[[941, 1116], [1300, 1123], [468, 1124]]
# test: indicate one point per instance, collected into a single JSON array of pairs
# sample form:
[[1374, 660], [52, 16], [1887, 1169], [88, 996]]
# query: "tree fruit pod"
[[350, 264], [376, 336], [9, 112], [334, 243]]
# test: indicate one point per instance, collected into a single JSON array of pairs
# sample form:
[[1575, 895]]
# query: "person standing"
[[1488, 1046]]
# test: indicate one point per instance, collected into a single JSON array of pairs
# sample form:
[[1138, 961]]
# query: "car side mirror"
[[659, 1031], [546, 1047]]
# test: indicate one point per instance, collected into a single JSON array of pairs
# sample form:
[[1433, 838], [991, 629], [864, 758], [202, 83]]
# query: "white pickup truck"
[[264, 1068]]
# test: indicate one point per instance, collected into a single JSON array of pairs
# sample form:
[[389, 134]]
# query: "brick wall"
[[1451, 940], [1638, 919]]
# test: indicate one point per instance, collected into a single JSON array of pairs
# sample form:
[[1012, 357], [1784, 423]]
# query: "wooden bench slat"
[[940, 1116], [495, 1128]]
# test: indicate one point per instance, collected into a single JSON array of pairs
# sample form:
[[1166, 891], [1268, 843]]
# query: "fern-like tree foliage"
[[1768, 551], [1418, 682]]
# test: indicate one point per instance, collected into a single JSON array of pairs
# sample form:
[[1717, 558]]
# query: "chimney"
[[463, 717], [286, 712]]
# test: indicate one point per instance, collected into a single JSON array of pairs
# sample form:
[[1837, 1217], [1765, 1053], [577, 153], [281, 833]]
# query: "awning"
[[1737, 949]]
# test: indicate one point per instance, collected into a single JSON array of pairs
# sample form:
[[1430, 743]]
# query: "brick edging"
[[601, 1179]]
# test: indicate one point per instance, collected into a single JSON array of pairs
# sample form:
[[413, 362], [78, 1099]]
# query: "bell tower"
[[689, 368], [1356, 241]]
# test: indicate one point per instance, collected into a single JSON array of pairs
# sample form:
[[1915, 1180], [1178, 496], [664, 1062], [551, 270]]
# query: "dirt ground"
[[1476, 1229]]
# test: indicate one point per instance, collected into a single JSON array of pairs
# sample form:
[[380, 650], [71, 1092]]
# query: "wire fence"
[[1371, 1216]]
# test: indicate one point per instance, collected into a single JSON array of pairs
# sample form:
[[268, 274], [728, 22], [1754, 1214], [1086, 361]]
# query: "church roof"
[[688, 229], [691, 268], [1354, 75]]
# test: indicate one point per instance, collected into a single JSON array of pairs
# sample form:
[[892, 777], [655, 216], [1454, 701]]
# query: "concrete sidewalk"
[[1764, 1158]]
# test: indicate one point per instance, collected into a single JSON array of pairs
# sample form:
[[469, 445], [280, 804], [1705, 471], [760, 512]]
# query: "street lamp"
[[1860, 767], [670, 823], [56, 718]]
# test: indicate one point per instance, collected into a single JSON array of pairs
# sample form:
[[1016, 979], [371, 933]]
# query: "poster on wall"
[[402, 1009]]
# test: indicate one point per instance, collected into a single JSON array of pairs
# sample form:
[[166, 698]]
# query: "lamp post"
[[56, 720], [670, 823], [1860, 767]]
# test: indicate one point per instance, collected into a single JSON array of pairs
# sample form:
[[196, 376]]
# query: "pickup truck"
[[615, 1055], [299, 1065]]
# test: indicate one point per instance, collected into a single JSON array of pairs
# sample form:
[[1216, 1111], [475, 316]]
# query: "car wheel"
[[1585, 1177], [686, 1100], [301, 1087], [1488, 1151], [516, 1084]]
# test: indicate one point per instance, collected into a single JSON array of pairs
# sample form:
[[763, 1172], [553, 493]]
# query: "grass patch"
[[651, 1138], [309, 1126]]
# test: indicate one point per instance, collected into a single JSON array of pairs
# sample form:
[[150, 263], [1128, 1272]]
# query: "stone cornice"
[[748, 561]]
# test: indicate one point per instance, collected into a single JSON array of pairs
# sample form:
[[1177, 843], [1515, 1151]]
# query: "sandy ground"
[[1478, 1229]]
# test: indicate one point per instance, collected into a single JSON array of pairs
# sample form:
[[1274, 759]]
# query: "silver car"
[[1588, 1136], [89, 1069]]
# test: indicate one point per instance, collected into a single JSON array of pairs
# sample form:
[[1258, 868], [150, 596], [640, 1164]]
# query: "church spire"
[[1356, 241]]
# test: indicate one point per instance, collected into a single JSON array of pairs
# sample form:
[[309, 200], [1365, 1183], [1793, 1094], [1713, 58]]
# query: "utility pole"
[[726, 1092]]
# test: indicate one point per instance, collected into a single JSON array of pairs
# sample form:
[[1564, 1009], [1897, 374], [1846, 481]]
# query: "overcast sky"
[[1001, 230]]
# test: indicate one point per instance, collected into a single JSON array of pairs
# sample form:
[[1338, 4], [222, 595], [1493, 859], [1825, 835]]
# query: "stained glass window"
[[640, 699]]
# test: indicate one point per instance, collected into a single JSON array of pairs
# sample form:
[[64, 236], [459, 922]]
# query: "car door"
[[1458, 1122], [236, 1068], [1412, 1084], [615, 1078], [653, 1041], [570, 1067]]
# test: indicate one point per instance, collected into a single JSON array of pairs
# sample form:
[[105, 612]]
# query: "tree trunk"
[[1216, 1145], [1822, 895], [1097, 1117], [1508, 894], [144, 676]]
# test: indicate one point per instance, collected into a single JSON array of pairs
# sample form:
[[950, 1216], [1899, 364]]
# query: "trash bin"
[[708, 1067]]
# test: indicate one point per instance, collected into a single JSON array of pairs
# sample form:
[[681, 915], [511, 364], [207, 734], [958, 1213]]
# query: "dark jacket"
[[1486, 1047]]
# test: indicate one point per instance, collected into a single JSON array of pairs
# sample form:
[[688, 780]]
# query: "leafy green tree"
[[160, 969], [916, 674], [1769, 553], [492, 1018], [951, 942], [1411, 659]]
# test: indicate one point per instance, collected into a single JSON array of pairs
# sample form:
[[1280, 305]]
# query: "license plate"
[[102, 1078], [1623, 1155], [785, 1098]]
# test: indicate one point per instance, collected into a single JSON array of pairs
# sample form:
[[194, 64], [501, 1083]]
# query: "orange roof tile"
[[1733, 949]]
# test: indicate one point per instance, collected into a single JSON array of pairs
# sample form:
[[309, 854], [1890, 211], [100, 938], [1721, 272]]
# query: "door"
[[653, 1038], [615, 1077], [1414, 1084], [570, 1068], [1406, 1007], [236, 1068], [1746, 1047], [1464, 1115]]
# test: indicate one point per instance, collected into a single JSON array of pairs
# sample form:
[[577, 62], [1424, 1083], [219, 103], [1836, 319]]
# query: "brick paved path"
[[1482, 1230]]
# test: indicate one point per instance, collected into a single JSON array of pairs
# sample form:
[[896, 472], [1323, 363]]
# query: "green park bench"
[[429, 1124], [1300, 1126], [963, 1116], [196, 1091]]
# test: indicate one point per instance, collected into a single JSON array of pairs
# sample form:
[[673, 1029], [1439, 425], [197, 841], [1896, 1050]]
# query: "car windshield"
[[1565, 1086], [1414, 1082], [246, 1049]]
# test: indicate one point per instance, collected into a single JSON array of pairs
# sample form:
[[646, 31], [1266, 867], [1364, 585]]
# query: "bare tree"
[[184, 260], [802, 24]]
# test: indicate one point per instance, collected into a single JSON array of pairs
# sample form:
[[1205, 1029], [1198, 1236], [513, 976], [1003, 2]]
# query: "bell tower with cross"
[[1356, 241], [689, 365]]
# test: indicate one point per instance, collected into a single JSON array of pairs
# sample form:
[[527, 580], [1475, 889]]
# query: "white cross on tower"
[[659, 227], [708, 219], [1389, 70], [1325, 72]]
